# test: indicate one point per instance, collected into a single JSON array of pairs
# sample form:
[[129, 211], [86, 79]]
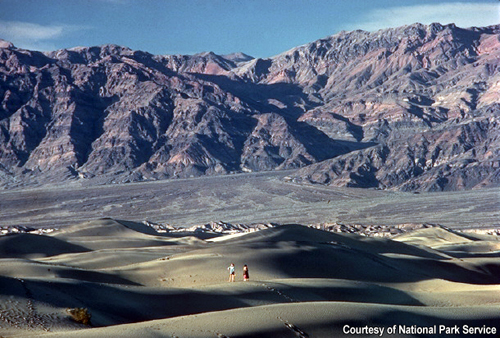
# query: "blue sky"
[[261, 28]]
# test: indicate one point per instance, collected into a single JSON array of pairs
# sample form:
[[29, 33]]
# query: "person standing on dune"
[[231, 272], [246, 276]]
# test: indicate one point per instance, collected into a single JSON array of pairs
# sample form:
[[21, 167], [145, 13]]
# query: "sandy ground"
[[303, 283], [244, 198]]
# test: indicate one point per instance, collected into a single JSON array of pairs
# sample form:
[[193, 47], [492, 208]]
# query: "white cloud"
[[34, 36], [26, 30], [463, 14]]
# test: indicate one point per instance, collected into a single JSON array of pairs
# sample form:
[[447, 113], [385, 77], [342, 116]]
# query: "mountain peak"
[[238, 57], [6, 44]]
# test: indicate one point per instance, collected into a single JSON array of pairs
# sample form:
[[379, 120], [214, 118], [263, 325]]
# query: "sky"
[[260, 28]]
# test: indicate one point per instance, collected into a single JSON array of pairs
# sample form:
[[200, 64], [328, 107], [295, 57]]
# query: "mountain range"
[[413, 108]]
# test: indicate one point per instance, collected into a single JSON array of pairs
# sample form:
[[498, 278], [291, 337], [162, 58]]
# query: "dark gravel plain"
[[243, 198]]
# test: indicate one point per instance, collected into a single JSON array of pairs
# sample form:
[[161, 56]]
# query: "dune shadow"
[[111, 305], [303, 260], [366, 293], [462, 254], [24, 245], [94, 277], [302, 235], [362, 266]]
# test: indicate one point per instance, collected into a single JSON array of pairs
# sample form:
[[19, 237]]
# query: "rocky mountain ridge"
[[410, 108]]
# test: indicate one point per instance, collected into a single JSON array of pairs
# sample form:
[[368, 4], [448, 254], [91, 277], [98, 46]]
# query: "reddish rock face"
[[411, 108]]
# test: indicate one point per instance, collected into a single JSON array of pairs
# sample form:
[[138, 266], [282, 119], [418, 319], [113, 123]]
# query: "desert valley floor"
[[244, 198], [440, 281]]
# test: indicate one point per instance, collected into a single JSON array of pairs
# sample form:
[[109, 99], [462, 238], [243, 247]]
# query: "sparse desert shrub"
[[80, 315]]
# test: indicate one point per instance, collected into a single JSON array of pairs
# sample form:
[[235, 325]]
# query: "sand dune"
[[435, 236], [108, 233], [28, 245], [308, 319], [304, 282]]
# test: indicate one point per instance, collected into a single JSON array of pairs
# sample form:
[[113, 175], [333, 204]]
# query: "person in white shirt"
[[231, 272]]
